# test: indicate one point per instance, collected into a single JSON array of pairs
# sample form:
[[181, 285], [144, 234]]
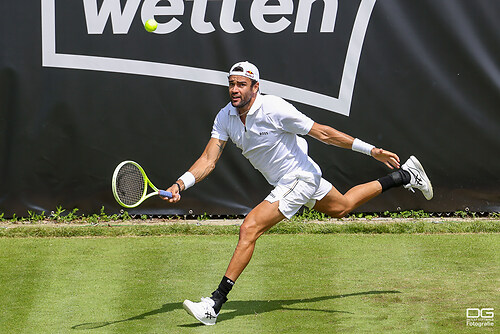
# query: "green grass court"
[[296, 283]]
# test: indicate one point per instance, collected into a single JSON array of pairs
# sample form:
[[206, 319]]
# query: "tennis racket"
[[130, 185]]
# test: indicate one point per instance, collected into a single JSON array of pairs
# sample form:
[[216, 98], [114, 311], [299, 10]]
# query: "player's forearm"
[[202, 168], [204, 165], [331, 136]]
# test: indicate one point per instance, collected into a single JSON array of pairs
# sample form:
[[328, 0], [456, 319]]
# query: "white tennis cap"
[[246, 69]]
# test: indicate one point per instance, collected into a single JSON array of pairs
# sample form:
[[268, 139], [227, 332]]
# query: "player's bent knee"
[[249, 231], [338, 211], [335, 206], [338, 214]]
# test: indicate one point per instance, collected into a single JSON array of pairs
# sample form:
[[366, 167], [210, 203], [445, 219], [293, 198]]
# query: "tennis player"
[[267, 129]]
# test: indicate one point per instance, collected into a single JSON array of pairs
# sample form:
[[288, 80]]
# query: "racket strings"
[[130, 184]]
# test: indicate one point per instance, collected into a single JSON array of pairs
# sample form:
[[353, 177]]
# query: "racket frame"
[[146, 183]]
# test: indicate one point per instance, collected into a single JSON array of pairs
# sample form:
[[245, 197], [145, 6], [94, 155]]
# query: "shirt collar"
[[257, 103]]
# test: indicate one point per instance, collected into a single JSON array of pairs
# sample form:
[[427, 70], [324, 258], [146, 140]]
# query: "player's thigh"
[[333, 204], [260, 219]]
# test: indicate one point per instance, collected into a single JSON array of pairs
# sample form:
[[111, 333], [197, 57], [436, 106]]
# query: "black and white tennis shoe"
[[203, 311], [419, 179]]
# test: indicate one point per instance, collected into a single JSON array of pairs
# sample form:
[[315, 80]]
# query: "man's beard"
[[242, 103]]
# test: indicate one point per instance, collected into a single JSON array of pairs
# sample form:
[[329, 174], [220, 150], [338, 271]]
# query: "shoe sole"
[[430, 193], [188, 310]]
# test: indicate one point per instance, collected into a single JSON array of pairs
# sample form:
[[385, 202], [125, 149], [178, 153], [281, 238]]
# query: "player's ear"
[[256, 87]]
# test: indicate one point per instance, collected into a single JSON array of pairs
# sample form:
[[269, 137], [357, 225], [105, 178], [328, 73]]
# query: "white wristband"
[[362, 147], [188, 179]]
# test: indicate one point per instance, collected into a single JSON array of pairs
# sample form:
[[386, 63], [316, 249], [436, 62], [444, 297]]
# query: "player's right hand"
[[176, 196]]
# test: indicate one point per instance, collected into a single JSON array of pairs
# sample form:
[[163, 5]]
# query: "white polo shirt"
[[269, 140]]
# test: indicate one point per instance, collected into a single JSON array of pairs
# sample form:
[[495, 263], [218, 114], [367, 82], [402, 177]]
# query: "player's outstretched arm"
[[331, 136], [200, 169]]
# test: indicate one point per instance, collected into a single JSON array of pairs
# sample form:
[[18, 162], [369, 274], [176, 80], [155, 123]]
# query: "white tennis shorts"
[[295, 190]]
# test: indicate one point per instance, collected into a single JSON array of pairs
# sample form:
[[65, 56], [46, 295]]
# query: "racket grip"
[[164, 193]]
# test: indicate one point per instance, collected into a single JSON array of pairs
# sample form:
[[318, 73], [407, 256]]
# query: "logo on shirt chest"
[[263, 133]]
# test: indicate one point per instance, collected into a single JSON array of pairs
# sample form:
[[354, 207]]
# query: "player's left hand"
[[390, 159]]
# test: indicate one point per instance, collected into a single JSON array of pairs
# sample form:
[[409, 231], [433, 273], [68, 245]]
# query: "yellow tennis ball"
[[151, 25]]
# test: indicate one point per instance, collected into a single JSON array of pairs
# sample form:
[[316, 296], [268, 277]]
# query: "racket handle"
[[164, 193]]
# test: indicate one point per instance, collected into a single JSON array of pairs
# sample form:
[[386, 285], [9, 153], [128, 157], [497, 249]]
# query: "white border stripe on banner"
[[341, 105]]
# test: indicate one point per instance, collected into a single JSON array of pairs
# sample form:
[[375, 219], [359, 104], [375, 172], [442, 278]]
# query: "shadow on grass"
[[241, 308]]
